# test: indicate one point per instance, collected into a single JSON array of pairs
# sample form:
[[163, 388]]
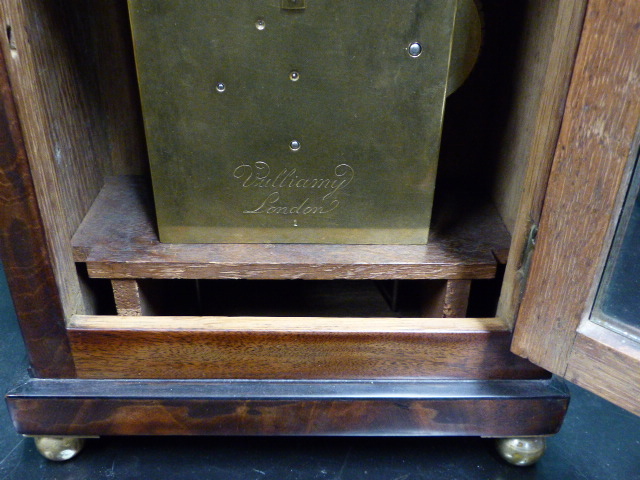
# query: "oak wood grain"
[[445, 299], [118, 240], [288, 324], [456, 298], [607, 364], [25, 254], [129, 298], [546, 56], [421, 408], [597, 138], [293, 348], [53, 80], [547, 66], [118, 87]]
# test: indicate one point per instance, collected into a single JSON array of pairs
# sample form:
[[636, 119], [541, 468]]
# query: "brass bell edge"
[[467, 40]]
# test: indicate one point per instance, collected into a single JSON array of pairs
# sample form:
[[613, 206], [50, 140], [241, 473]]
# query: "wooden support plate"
[[118, 239]]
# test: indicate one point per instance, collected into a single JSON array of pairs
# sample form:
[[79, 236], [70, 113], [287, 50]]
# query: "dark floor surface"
[[598, 442]]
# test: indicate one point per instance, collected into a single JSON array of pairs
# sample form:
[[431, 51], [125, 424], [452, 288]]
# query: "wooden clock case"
[[110, 355]]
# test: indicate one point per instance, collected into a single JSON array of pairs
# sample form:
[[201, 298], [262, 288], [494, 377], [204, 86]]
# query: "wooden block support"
[[456, 298], [130, 299], [448, 299]]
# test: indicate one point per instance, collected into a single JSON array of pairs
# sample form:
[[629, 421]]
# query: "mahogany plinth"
[[403, 408]]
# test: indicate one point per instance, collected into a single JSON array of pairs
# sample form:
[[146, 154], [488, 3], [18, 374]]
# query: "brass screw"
[[415, 49]]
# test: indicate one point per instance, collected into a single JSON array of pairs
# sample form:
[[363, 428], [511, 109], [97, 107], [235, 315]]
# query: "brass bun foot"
[[59, 449], [521, 452]]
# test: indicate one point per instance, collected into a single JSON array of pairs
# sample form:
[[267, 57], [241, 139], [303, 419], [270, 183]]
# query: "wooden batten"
[[293, 348], [450, 299], [456, 299], [130, 299]]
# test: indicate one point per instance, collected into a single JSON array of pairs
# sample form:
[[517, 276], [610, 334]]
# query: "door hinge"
[[527, 257]]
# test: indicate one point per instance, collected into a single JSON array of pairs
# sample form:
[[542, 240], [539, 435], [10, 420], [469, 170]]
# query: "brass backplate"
[[314, 125]]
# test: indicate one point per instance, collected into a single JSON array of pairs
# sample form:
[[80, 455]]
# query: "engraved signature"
[[259, 175]]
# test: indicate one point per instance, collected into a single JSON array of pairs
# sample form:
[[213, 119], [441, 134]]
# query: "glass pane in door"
[[618, 301]]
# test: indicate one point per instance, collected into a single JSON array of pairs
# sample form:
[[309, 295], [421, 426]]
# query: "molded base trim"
[[285, 407]]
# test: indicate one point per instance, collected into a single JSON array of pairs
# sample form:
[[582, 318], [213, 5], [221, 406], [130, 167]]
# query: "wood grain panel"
[[118, 240], [541, 81], [293, 348], [608, 364], [547, 64], [54, 85], [118, 87], [108, 407], [597, 137], [25, 255]]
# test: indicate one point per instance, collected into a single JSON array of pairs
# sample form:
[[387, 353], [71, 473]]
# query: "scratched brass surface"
[[228, 87]]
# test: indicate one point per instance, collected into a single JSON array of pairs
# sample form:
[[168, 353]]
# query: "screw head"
[[415, 49], [220, 87], [294, 145]]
